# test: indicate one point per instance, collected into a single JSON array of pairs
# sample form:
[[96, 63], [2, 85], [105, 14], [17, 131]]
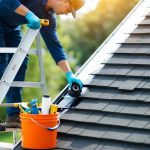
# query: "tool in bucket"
[[33, 125], [35, 109]]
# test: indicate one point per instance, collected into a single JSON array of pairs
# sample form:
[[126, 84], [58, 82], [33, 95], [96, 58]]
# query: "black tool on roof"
[[75, 90]]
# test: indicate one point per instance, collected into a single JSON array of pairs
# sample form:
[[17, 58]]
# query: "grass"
[[6, 137]]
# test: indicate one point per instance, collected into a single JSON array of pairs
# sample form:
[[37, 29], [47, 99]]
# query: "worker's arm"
[[33, 20], [17, 7], [50, 37], [11, 4], [22, 10], [52, 42], [64, 65]]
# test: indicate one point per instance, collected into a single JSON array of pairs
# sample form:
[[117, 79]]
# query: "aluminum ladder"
[[20, 53]]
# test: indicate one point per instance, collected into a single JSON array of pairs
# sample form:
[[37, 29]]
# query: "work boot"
[[13, 121], [2, 127]]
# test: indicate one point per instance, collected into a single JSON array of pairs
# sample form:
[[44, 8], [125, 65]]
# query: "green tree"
[[88, 32]]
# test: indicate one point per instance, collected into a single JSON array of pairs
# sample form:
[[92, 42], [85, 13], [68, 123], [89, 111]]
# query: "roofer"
[[14, 13]]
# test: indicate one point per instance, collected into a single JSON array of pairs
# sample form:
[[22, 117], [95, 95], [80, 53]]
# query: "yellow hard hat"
[[75, 5]]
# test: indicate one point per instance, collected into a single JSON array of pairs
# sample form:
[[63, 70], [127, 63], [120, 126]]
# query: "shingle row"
[[121, 82], [114, 112], [105, 118], [116, 94], [76, 142], [95, 131]]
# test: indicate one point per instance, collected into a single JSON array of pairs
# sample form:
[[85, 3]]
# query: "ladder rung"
[[13, 50], [26, 84], [11, 130]]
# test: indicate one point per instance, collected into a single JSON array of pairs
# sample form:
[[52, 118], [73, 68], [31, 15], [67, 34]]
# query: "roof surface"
[[114, 112]]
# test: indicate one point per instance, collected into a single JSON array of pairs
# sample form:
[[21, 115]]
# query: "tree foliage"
[[88, 32]]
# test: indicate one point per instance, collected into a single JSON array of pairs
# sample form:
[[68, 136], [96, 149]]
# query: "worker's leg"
[[3, 57], [13, 39]]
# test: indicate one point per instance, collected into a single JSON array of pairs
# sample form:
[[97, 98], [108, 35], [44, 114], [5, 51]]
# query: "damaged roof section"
[[114, 112]]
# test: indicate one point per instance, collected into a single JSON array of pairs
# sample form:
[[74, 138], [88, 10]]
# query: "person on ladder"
[[14, 13]]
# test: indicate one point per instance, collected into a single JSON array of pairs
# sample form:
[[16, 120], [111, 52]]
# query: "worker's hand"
[[72, 79], [33, 20]]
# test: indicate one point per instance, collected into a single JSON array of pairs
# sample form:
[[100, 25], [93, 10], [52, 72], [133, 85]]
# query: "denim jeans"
[[11, 37]]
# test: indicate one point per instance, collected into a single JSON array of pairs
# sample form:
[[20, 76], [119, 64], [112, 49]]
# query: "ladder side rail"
[[16, 62], [41, 65]]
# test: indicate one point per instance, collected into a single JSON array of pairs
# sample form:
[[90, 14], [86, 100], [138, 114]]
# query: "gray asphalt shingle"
[[118, 134], [78, 129], [113, 113], [144, 96], [112, 119], [139, 122], [142, 60], [121, 59], [135, 109], [139, 137], [146, 21], [130, 84], [65, 127], [84, 144], [142, 29], [129, 49], [77, 115], [65, 142], [147, 73], [118, 82], [102, 80], [137, 71], [92, 104], [128, 95], [108, 70], [95, 117], [95, 131]]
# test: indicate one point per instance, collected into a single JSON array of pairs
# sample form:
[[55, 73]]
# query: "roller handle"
[[44, 22]]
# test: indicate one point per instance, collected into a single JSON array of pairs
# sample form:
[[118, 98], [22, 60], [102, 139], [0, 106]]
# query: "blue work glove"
[[72, 79], [33, 20]]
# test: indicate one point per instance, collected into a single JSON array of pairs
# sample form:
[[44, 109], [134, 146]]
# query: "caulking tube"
[[46, 103]]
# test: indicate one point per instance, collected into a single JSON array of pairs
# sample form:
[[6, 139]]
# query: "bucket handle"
[[48, 128]]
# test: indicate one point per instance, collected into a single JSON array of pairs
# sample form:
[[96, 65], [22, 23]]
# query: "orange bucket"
[[39, 131]]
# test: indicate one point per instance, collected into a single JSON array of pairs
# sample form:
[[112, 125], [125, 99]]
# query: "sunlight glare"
[[89, 6]]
